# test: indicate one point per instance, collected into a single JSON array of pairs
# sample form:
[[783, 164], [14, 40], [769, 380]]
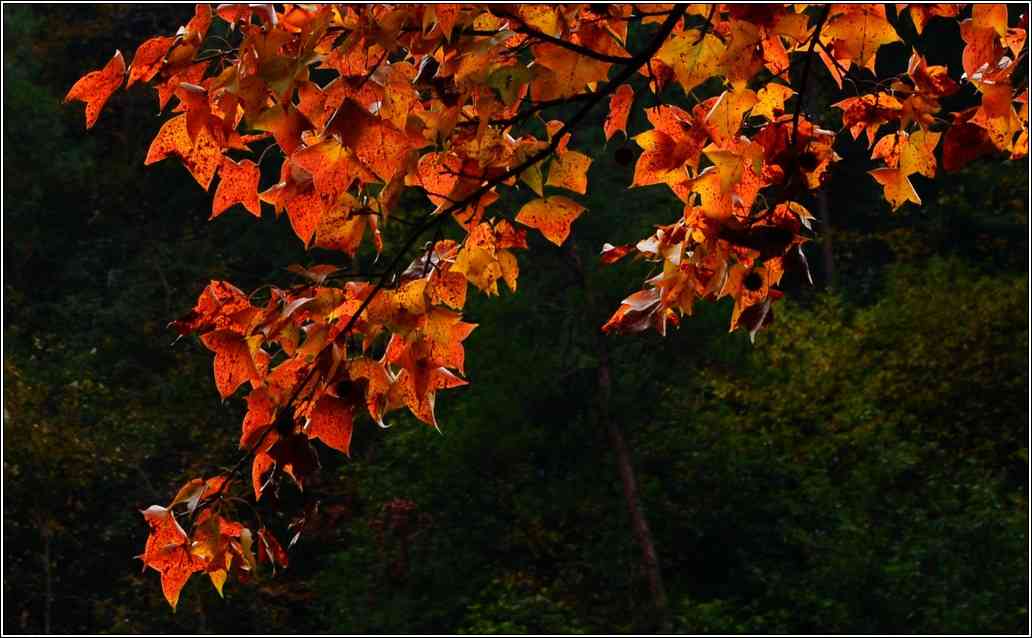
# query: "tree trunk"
[[628, 479], [632, 499]]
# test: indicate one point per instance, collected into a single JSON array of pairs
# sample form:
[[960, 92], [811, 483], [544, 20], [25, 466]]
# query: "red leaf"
[[330, 422], [234, 363], [612, 254], [96, 87], [148, 59], [239, 184]]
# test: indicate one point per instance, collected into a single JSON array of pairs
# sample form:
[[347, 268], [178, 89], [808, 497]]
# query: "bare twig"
[[806, 72]]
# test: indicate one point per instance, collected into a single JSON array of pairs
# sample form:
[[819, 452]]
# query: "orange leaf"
[[234, 363], [285, 125], [378, 145], [570, 171], [330, 422], [270, 548], [912, 153], [333, 165], [868, 113], [725, 118], [202, 155], [552, 216], [342, 227], [922, 13], [619, 110], [305, 212], [964, 142], [148, 59], [96, 87], [239, 184], [261, 414], [167, 552], [770, 99], [568, 72]]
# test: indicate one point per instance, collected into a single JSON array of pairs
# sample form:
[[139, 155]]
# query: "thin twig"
[[806, 73]]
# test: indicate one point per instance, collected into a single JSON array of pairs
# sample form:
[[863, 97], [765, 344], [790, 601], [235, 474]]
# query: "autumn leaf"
[[913, 153], [305, 212], [964, 142], [238, 184], [904, 155], [920, 14], [260, 467], [478, 261], [724, 119], [234, 359], [342, 226], [568, 72], [220, 306], [379, 146], [551, 216], [148, 59], [285, 124], [570, 171], [898, 189], [770, 100], [201, 155], [168, 553], [270, 549], [867, 113], [375, 108], [612, 254], [694, 56], [96, 87], [333, 166], [330, 422], [619, 111], [858, 31]]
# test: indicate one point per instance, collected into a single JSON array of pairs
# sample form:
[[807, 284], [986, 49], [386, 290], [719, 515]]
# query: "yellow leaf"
[[551, 216], [570, 171]]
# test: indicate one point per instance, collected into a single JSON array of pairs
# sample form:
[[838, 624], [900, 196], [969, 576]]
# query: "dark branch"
[[806, 72], [432, 221]]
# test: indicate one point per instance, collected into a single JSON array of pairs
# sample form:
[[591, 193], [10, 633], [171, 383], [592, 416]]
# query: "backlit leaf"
[[96, 87], [238, 184], [551, 216]]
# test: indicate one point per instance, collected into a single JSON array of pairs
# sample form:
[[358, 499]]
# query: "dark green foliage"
[[863, 470]]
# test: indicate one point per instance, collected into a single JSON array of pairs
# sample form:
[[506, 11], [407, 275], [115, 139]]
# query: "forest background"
[[863, 467]]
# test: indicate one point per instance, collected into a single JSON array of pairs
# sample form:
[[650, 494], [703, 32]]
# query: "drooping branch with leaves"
[[450, 104]]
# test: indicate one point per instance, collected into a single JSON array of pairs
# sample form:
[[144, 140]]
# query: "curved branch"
[[432, 221]]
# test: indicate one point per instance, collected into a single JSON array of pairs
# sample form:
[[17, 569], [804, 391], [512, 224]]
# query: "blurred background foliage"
[[861, 468]]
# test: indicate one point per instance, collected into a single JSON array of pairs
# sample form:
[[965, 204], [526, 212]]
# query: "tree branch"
[[806, 72], [434, 220]]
